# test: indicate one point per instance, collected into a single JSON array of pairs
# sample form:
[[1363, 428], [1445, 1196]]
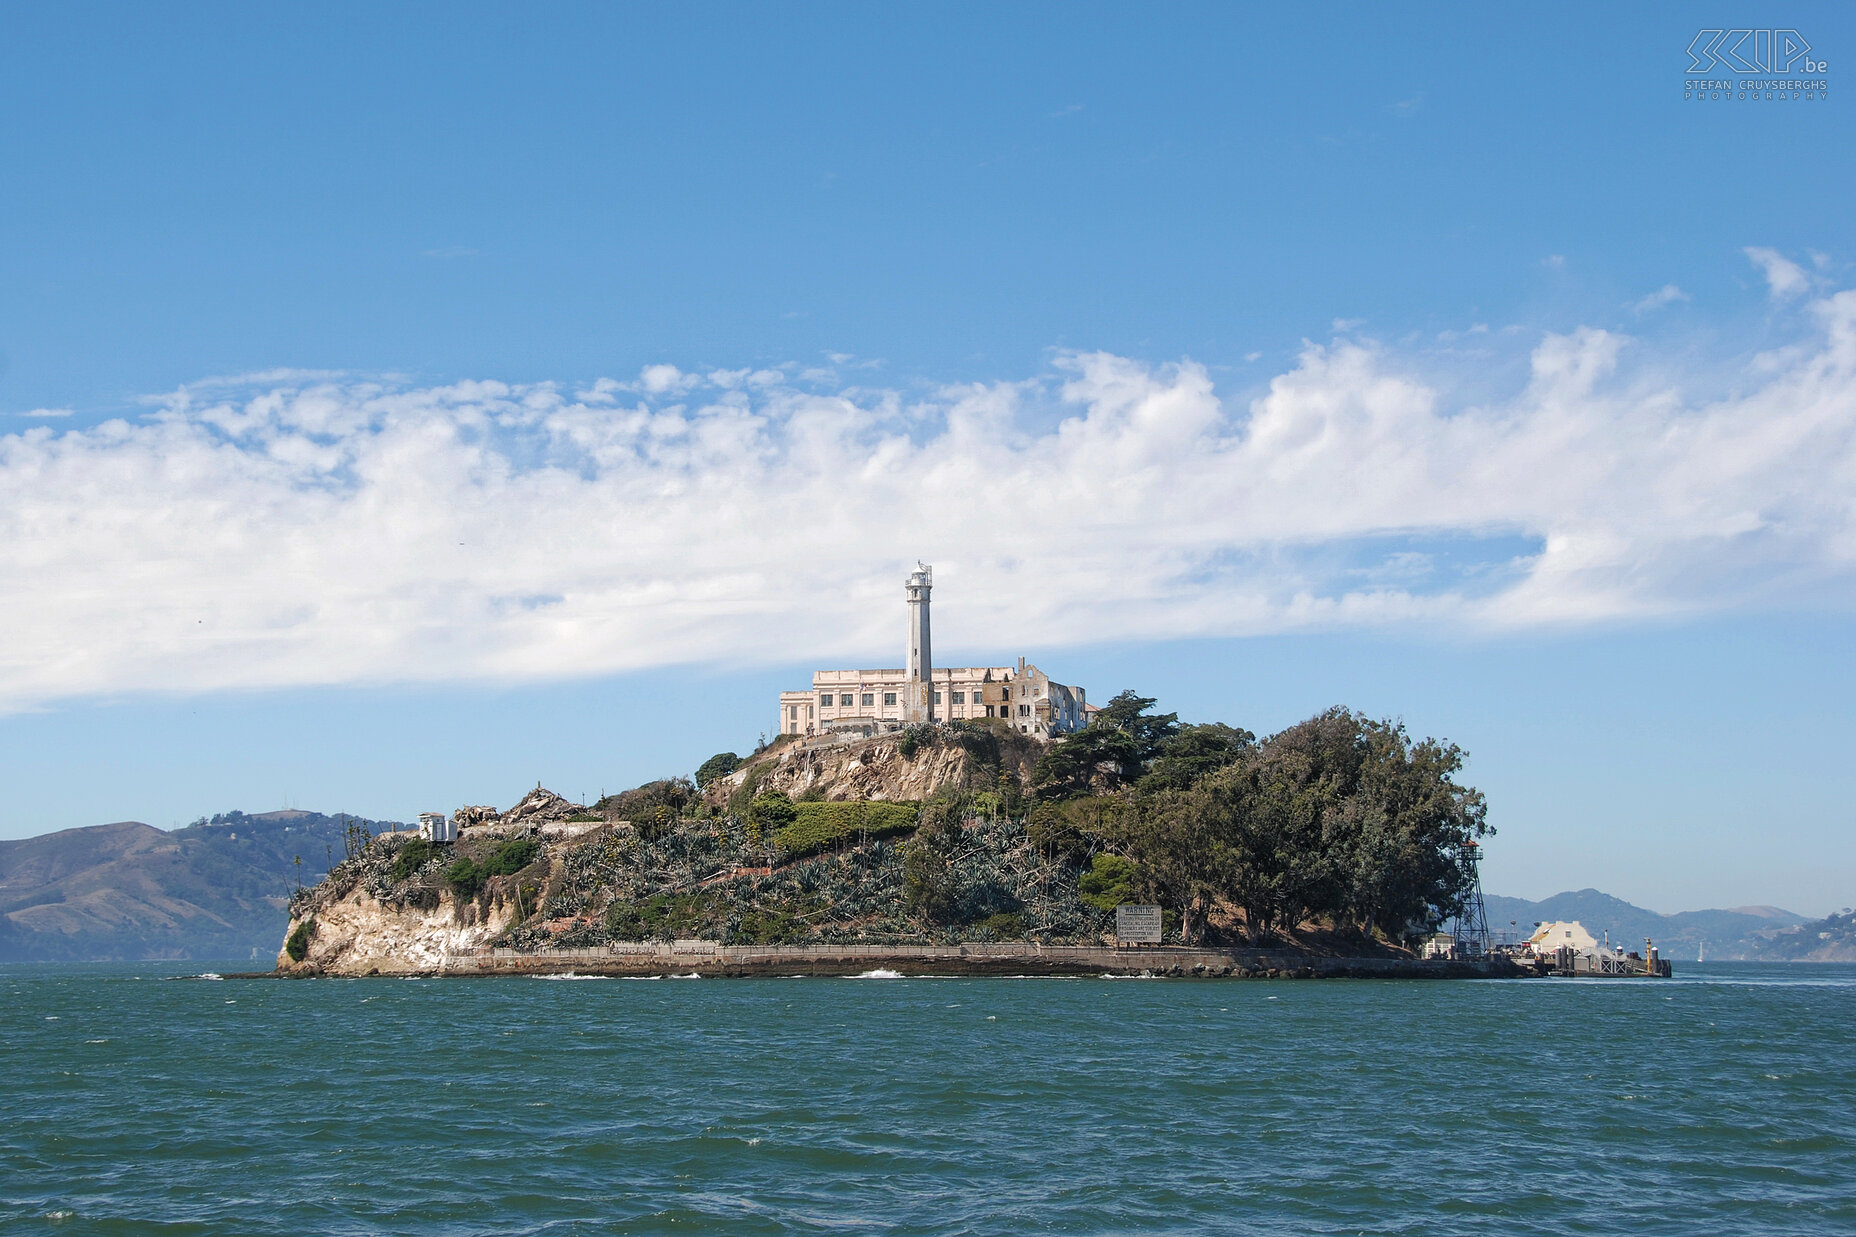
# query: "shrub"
[[767, 927], [744, 794], [662, 916], [511, 857], [297, 947], [411, 857], [465, 877], [719, 765], [1005, 926], [1108, 883], [673, 794], [769, 813], [816, 826]]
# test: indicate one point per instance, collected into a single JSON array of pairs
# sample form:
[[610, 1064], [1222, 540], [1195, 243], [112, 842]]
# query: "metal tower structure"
[[1471, 928]]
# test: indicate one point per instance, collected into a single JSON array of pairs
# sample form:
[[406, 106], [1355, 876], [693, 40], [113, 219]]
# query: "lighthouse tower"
[[918, 689]]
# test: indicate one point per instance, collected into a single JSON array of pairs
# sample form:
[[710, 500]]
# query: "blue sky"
[[400, 405]]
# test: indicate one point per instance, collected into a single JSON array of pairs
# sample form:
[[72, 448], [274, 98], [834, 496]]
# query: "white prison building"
[[871, 701]]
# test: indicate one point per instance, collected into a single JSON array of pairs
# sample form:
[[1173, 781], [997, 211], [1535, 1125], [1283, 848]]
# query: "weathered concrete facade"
[[872, 701]]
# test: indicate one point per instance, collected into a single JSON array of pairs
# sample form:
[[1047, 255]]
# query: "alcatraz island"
[[945, 820]]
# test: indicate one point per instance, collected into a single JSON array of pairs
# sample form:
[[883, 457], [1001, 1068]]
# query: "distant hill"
[[1831, 939], [1727, 934], [216, 889]]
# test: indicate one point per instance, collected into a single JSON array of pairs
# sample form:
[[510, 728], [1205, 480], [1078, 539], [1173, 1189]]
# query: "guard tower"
[[1472, 925], [918, 686]]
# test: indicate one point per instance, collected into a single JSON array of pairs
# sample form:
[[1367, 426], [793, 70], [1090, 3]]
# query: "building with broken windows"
[[871, 701]]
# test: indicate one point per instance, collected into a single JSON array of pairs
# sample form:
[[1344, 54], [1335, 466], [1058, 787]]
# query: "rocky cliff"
[[663, 862], [899, 767]]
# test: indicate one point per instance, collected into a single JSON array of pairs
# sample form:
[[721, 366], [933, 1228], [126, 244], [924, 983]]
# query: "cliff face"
[[878, 768], [656, 864], [396, 909], [363, 935]]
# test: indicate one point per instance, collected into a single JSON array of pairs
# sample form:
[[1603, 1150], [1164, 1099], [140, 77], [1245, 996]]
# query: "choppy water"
[[1723, 1101]]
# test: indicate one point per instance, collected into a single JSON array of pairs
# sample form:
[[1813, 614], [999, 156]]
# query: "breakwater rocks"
[[713, 959]]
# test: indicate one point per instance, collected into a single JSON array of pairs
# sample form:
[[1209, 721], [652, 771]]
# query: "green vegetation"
[[719, 765], [1004, 926], [412, 855], [466, 876], [652, 809], [815, 826], [1337, 819], [663, 916], [1108, 883], [769, 813], [1339, 823], [297, 947]]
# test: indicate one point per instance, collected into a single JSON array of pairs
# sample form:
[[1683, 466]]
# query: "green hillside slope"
[[215, 889]]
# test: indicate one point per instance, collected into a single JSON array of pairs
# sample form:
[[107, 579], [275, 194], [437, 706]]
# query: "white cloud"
[[45, 412], [335, 530], [1668, 294], [1783, 276]]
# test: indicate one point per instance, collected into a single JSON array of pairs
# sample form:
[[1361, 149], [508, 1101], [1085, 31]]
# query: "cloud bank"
[[300, 528]]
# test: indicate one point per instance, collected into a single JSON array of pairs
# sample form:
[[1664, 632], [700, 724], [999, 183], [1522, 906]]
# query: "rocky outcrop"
[[887, 768], [540, 810], [362, 935], [540, 806], [397, 907]]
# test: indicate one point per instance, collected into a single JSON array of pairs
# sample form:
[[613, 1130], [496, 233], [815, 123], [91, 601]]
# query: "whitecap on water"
[[570, 975], [879, 973]]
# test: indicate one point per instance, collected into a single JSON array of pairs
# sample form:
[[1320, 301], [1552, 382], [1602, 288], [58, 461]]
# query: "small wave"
[[879, 973], [691, 975], [570, 975], [212, 975]]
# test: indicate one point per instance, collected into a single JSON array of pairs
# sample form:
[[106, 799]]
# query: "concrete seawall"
[[710, 958]]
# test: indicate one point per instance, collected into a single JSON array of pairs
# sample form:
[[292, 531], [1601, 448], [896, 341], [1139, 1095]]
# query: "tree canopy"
[[1338, 817]]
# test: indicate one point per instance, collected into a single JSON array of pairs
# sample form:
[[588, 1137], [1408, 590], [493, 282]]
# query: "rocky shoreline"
[[710, 959]]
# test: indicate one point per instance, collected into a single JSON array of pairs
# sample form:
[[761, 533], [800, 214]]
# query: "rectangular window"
[[845, 701], [825, 701], [989, 710], [889, 698], [937, 697], [1024, 710], [869, 699], [792, 711], [960, 697]]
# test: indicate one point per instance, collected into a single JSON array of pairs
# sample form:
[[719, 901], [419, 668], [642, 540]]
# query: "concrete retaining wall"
[[1003, 958]]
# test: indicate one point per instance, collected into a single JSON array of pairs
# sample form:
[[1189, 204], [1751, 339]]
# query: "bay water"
[[142, 1098]]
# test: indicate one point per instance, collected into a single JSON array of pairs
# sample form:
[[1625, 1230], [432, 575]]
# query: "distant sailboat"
[[1701, 954]]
